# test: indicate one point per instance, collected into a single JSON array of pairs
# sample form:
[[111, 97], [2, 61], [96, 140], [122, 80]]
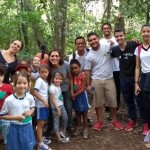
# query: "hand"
[[20, 118], [27, 113], [137, 89], [45, 104], [72, 96], [135, 40], [88, 89], [111, 42], [58, 113]]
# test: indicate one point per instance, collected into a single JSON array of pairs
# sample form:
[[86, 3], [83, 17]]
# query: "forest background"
[[56, 23]]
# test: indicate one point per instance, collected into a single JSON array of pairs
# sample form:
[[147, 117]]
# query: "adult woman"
[[9, 59], [42, 55], [143, 66], [58, 65]]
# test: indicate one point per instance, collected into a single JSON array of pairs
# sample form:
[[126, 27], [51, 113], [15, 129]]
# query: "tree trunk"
[[60, 25], [120, 23]]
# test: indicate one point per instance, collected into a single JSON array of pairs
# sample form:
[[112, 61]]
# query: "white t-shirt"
[[99, 62], [42, 87], [35, 74], [56, 91], [81, 59], [16, 107], [115, 61], [144, 58]]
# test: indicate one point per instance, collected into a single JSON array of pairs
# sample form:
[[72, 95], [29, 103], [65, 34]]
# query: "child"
[[5, 90], [58, 109], [18, 108], [34, 74], [41, 102], [79, 97]]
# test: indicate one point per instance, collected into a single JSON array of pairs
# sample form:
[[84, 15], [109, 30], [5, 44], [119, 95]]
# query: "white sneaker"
[[46, 141], [43, 147]]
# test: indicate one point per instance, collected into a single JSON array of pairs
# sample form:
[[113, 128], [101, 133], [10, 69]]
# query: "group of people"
[[51, 88]]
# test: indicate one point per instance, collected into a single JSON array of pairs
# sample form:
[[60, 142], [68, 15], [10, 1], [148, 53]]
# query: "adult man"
[[108, 38], [80, 52], [125, 53], [98, 68]]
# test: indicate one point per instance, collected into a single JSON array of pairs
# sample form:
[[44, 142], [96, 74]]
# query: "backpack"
[[74, 53], [139, 49]]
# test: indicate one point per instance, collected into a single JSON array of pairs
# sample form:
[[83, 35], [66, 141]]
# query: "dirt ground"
[[106, 139]]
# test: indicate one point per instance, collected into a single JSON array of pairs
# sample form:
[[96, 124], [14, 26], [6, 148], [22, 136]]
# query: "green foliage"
[[79, 21]]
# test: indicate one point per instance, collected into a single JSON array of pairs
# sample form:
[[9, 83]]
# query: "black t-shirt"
[[9, 66], [126, 58]]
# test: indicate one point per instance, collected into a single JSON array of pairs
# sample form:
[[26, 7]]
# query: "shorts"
[[105, 91], [41, 113]]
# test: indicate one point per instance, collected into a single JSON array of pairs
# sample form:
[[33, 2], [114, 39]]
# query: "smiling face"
[[120, 37], [57, 79], [80, 44], [106, 30], [36, 62], [54, 58], [21, 85], [15, 46], [145, 33], [94, 42]]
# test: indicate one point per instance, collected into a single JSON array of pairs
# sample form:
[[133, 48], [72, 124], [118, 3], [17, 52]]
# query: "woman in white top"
[[142, 72]]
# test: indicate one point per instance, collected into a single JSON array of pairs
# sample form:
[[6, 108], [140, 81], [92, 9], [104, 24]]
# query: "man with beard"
[[98, 67]]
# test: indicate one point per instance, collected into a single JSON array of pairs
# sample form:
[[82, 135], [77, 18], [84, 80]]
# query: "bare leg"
[[39, 130], [99, 113], [113, 113]]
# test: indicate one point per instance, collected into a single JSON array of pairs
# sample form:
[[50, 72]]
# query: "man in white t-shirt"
[[81, 51], [98, 67], [108, 38]]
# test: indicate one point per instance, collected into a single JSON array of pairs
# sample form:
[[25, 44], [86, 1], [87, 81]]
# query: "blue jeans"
[[68, 106], [127, 89]]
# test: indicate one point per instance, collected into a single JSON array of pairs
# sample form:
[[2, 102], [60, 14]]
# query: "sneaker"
[[77, 132], [117, 125], [131, 125], [145, 128], [43, 147], [98, 126], [85, 134], [46, 141], [64, 140]]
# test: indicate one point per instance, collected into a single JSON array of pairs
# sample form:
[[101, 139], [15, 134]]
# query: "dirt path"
[[106, 139]]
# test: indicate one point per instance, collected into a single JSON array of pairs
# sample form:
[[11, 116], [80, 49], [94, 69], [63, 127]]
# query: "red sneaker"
[[117, 125], [98, 126], [131, 124], [145, 128]]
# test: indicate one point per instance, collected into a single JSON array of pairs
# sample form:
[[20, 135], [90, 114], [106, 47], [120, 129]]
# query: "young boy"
[[5, 90]]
